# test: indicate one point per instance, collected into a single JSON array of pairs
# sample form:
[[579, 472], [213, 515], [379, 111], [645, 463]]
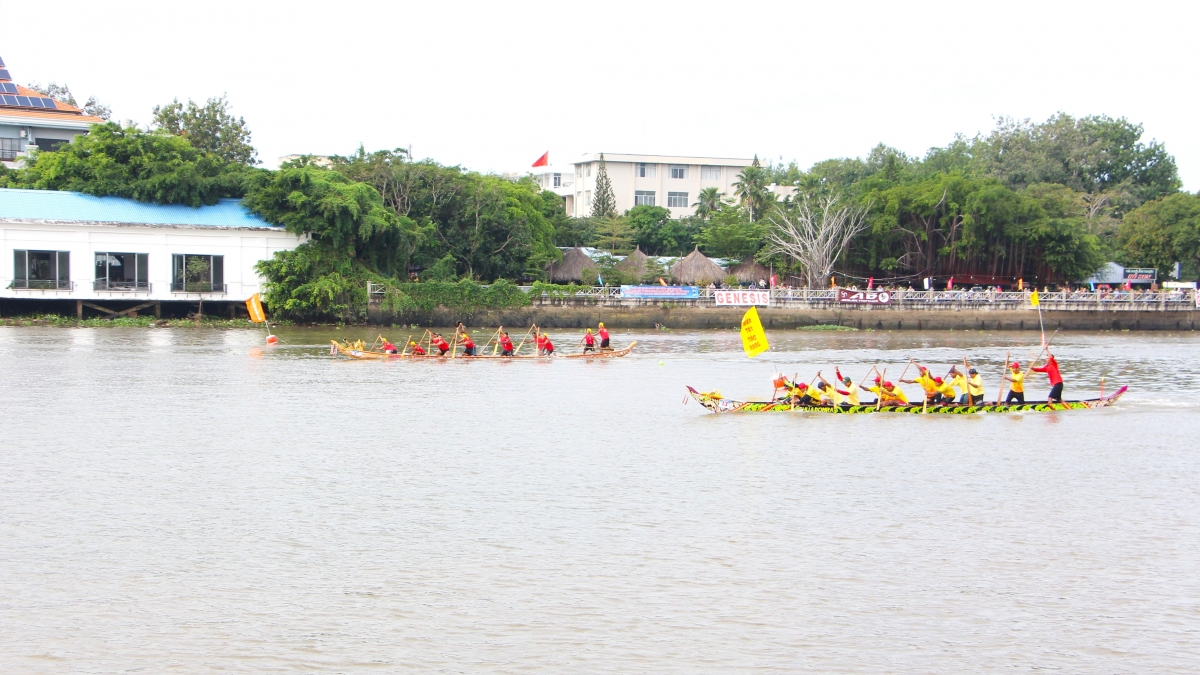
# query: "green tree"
[[708, 202], [604, 202], [613, 234], [146, 166], [209, 127], [1163, 231], [731, 234], [751, 189], [657, 233], [575, 232]]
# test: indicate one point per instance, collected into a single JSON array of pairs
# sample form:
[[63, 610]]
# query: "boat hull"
[[724, 405], [370, 354]]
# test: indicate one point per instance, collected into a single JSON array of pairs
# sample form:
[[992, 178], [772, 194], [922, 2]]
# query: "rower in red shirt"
[[603, 332], [589, 341], [464, 340], [547, 346], [1056, 381], [416, 349], [389, 348], [441, 344], [506, 345]]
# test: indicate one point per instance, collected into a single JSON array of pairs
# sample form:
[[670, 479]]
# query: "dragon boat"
[[716, 403], [369, 353]]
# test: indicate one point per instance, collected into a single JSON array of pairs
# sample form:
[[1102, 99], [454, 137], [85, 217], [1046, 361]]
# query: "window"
[[9, 147], [643, 198], [589, 170], [50, 144], [558, 180], [710, 173], [42, 269], [678, 171], [677, 199], [643, 170], [587, 199], [197, 273], [122, 272]]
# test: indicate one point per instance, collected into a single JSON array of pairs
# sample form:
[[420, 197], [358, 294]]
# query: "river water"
[[187, 500]]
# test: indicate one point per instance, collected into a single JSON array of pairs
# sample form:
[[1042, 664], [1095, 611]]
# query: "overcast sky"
[[493, 85]]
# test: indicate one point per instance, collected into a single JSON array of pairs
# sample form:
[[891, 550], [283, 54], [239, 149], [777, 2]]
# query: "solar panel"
[[4, 74], [10, 100], [1, 63], [8, 87], [23, 100], [35, 102], [49, 103]]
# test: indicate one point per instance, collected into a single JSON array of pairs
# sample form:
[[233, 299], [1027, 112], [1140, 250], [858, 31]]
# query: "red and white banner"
[[863, 297], [742, 298]]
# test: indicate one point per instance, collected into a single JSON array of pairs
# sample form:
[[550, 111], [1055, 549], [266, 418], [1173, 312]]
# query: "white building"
[[559, 180], [70, 246], [29, 120], [654, 180]]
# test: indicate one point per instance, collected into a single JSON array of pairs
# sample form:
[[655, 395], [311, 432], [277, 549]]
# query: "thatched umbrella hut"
[[697, 269], [571, 267], [749, 271], [634, 263]]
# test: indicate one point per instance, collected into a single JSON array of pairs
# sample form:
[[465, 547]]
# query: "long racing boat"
[[336, 347], [716, 403]]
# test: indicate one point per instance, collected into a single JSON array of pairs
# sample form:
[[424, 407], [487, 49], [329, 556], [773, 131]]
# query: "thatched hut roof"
[[634, 262], [697, 269], [571, 267], [749, 272]]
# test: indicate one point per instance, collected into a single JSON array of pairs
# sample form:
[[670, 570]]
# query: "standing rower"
[[1056, 381], [547, 345], [589, 341], [464, 340], [1017, 391], [603, 332], [851, 388]]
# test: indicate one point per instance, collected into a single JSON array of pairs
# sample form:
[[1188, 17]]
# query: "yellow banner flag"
[[254, 306], [1034, 300], [754, 339]]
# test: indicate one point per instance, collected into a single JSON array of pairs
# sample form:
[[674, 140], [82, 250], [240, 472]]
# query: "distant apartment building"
[[654, 180], [559, 180], [31, 120]]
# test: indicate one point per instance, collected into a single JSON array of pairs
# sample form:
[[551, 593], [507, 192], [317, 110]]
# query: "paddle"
[[523, 339], [967, 379], [879, 398], [1007, 357], [407, 342]]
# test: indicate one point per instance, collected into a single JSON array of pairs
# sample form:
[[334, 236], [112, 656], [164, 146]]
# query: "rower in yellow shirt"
[[945, 390], [832, 393], [957, 379], [974, 395], [927, 383], [1016, 391], [888, 392]]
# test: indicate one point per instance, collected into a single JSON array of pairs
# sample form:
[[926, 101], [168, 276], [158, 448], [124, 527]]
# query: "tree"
[[146, 166], [708, 202], [1163, 231], [61, 92], [604, 202], [815, 234], [730, 234], [613, 234], [211, 128], [751, 188], [575, 232], [657, 233]]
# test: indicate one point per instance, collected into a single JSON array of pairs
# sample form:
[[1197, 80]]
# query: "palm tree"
[[752, 189], [708, 202]]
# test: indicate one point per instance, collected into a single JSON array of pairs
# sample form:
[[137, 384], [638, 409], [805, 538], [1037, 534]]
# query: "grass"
[[827, 326], [126, 322]]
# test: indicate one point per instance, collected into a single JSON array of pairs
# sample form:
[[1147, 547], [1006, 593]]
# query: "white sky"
[[493, 85]]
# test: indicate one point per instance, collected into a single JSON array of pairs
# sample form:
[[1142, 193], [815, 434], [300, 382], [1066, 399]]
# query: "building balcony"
[[42, 285], [121, 286], [197, 287]]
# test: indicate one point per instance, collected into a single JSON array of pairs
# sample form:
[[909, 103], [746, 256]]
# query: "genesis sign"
[[742, 298]]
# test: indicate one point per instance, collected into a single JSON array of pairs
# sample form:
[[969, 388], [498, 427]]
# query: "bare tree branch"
[[815, 234]]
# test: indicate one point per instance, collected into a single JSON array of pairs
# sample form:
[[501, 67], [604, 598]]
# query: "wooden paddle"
[[1007, 357], [967, 379], [879, 398], [407, 342], [523, 339]]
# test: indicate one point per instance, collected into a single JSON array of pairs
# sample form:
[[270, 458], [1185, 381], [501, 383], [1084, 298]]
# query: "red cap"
[[1015, 366], [878, 378], [888, 385], [938, 380]]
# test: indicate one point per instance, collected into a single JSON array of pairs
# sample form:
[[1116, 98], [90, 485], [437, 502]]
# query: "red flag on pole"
[[544, 160]]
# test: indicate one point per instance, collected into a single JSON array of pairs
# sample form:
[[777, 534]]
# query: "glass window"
[[643, 170], [677, 199], [122, 272], [42, 269], [589, 169], [643, 198], [710, 173], [678, 171], [197, 273], [558, 180]]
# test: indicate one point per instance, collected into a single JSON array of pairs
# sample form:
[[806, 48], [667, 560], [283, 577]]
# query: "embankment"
[[683, 317]]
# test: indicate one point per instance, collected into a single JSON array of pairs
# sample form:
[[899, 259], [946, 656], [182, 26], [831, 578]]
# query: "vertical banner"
[[1034, 299], [754, 339], [255, 308]]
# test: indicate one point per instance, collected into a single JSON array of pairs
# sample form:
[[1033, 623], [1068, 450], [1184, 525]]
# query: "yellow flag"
[[754, 340], [254, 306], [1034, 300]]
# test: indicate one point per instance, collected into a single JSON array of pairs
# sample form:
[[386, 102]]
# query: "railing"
[[42, 285], [121, 286], [196, 287], [1173, 300]]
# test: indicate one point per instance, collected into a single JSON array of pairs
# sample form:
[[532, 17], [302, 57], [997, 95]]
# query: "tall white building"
[[654, 180], [560, 180], [30, 119]]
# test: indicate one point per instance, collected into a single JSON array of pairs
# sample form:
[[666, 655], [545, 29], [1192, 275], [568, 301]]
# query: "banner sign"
[[742, 298], [754, 338], [1140, 274], [849, 297], [661, 292]]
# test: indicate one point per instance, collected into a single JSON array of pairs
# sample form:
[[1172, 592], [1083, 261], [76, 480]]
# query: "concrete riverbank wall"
[[650, 316]]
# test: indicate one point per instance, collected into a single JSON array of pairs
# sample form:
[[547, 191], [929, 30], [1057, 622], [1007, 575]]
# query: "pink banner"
[[863, 297], [742, 298]]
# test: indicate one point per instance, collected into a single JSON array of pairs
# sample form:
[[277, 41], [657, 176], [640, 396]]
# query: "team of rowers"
[[957, 386], [435, 344]]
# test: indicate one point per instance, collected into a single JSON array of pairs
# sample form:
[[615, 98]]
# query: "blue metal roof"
[[74, 206]]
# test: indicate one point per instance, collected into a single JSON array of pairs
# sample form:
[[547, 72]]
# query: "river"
[[191, 501]]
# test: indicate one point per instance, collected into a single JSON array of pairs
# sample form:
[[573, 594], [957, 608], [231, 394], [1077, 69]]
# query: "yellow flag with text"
[[255, 308], [754, 339], [1034, 300]]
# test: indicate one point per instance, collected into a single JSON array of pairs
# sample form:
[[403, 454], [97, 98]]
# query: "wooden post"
[[158, 310], [79, 310]]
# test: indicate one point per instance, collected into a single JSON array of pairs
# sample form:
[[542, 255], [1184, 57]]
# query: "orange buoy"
[[271, 339]]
